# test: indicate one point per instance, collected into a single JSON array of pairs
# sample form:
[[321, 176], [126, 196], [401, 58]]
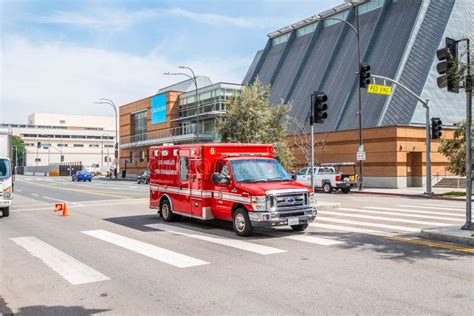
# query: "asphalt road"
[[113, 255]]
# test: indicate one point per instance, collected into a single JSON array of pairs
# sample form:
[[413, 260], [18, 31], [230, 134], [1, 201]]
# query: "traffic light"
[[447, 67], [436, 128], [364, 75], [38, 145], [319, 107], [62, 158]]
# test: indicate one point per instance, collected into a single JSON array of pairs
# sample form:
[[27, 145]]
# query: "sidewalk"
[[414, 192], [449, 234]]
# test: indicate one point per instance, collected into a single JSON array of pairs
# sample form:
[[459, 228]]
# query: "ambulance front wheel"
[[241, 222], [166, 212]]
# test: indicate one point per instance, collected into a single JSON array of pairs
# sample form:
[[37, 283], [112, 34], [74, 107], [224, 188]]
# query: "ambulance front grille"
[[290, 200]]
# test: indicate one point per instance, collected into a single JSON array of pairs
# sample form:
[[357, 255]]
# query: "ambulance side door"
[[182, 201], [221, 205]]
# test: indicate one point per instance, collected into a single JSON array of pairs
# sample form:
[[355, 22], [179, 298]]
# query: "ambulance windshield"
[[258, 170]]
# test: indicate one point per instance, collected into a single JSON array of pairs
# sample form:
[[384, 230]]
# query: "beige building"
[[54, 138]]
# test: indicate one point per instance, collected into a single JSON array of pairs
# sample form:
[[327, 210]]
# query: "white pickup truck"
[[325, 178]]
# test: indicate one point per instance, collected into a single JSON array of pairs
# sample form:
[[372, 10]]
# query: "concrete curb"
[[418, 196], [118, 179], [448, 234]]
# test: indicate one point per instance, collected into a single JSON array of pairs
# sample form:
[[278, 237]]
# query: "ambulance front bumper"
[[5, 203], [279, 218]]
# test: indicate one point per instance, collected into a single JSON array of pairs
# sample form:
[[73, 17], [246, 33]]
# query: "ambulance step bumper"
[[268, 219]]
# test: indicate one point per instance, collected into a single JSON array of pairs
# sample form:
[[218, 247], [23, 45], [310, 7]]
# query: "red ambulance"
[[241, 183]]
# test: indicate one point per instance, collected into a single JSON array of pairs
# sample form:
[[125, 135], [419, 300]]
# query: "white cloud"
[[63, 78], [98, 19], [218, 19]]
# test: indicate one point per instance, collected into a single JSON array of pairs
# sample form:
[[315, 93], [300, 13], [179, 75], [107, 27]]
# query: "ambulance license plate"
[[293, 221]]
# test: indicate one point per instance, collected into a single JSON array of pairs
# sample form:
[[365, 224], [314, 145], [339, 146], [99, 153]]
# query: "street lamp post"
[[112, 104], [193, 78], [355, 29]]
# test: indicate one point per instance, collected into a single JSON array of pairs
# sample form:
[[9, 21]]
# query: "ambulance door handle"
[[180, 186]]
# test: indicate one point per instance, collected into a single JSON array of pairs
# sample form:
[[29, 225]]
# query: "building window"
[[78, 145], [62, 145], [93, 145], [306, 29], [280, 39], [62, 121], [342, 16], [139, 126], [132, 156], [369, 6], [109, 146], [142, 156]]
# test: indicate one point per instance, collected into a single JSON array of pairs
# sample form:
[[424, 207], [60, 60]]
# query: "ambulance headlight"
[[312, 199], [259, 203]]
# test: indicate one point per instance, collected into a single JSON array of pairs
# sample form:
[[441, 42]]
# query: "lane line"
[[352, 229], [368, 224], [224, 241], [431, 244], [149, 250], [53, 199], [80, 191], [76, 204], [398, 214], [71, 269], [389, 219], [413, 211], [18, 190], [34, 194], [434, 207]]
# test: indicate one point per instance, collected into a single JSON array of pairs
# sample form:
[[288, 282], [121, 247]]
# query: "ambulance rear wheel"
[[241, 223], [166, 212]]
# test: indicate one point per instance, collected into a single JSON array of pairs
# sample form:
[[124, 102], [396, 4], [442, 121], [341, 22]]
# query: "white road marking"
[[18, 190], [53, 199], [368, 224], [229, 242], [34, 194], [412, 211], [383, 218], [434, 207], [399, 214], [352, 229], [152, 251], [72, 270], [76, 204], [314, 240]]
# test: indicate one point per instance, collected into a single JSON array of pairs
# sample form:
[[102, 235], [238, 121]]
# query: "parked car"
[[82, 176], [325, 178], [94, 170], [347, 170], [144, 177]]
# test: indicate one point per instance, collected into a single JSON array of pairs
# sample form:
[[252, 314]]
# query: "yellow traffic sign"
[[379, 89]]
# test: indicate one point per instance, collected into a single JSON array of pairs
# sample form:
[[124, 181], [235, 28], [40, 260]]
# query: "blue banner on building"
[[158, 109]]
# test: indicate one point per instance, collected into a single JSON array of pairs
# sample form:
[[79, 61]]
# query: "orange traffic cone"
[[65, 210], [58, 207]]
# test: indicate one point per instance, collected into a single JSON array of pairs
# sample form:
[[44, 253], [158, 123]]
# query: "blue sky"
[[61, 56]]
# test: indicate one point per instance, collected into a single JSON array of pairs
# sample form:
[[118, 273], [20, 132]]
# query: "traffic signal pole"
[[311, 122], [468, 225], [425, 103]]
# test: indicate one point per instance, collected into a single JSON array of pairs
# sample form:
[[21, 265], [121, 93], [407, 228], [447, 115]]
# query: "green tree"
[[251, 119], [455, 150], [19, 150]]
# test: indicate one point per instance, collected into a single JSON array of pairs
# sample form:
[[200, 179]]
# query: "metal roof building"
[[398, 39]]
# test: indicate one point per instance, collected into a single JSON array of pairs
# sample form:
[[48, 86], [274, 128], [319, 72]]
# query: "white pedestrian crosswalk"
[[389, 220], [71, 269], [381, 221]]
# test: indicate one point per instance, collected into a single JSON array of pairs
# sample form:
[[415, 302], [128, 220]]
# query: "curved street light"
[[193, 78], [355, 29], [112, 104]]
